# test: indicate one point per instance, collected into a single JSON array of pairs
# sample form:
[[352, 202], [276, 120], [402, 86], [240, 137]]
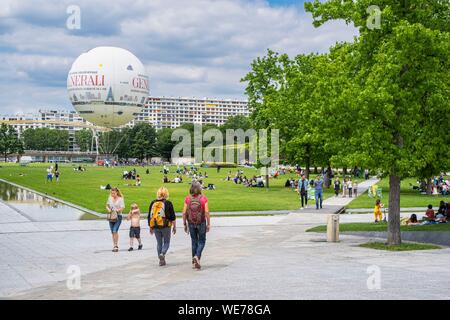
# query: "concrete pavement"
[[260, 257]]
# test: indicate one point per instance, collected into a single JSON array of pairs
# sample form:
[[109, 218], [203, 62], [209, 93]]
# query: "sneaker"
[[162, 260], [306, 207], [193, 263], [301, 208], [140, 247], [131, 249]]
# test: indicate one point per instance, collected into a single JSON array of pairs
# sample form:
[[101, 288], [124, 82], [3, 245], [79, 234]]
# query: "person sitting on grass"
[[377, 210], [412, 221], [138, 180], [429, 214]]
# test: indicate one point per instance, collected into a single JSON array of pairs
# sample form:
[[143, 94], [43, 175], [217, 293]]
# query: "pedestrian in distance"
[[303, 191], [318, 191]]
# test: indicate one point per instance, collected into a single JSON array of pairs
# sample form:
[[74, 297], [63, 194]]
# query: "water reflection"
[[39, 208]]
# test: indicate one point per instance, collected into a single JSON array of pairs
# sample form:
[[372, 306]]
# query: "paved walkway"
[[264, 257], [272, 259]]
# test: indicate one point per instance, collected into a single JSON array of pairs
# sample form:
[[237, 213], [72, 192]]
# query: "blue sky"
[[189, 47]]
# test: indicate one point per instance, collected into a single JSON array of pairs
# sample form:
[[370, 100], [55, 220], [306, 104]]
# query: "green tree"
[[9, 141], [236, 122], [165, 143], [398, 86], [46, 139], [283, 94], [143, 141], [84, 139]]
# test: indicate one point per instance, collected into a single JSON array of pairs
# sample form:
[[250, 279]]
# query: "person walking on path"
[[135, 226], [49, 174], [350, 188], [115, 206], [161, 218], [303, 191], [337, 186], [344, 188], [196, 221], [355, 188], [318, 191]]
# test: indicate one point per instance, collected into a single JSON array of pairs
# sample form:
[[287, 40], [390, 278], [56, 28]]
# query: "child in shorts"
[[135, 229], [377, 210]]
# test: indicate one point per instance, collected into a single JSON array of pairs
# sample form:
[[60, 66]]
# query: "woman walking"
[[115, 206], [161, 217], [196, 221]]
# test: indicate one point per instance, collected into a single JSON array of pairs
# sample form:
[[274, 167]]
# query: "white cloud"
[[190, 48]]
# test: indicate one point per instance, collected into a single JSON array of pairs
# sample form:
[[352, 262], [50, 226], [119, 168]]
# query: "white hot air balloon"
[[108, 86]]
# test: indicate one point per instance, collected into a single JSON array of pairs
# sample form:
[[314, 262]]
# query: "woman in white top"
[[115, 203]]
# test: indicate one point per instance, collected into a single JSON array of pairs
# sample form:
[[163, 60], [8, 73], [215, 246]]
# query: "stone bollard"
[[333, 228]]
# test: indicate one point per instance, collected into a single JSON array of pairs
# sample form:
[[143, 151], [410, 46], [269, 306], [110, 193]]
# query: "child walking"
[[377, 211], [135, 229]]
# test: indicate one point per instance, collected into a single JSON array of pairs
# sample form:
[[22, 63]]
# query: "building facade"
[[165, 112], [52, 119]]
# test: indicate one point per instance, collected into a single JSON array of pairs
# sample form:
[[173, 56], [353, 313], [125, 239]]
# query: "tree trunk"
[[394, 235], [328, 177], [429, 187], [308, 161], [267, 176], [344, 170]]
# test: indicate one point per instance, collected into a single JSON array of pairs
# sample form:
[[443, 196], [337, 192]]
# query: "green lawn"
[[83, 188], [408, 197], [381, 227], [405, 246]]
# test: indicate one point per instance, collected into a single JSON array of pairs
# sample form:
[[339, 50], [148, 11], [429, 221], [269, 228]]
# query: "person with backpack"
[[196, 221], [161, 217]]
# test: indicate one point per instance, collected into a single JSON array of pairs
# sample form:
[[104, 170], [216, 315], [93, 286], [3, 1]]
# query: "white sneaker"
[[306, 207], [301, 208]]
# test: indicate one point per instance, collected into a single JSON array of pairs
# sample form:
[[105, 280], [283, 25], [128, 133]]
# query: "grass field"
[[409, 198], [381, 227], [83, 188], [405, 246]]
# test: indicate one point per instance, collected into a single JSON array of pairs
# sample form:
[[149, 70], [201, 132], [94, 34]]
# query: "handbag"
[[112, 216]]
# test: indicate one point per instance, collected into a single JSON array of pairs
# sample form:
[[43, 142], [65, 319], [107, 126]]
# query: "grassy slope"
[[83, 188], [408, 197], [381, 227]]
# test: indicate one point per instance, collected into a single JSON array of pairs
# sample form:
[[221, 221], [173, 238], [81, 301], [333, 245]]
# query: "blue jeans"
[[162, 239], [114, 226], [319, 195], [198, 238]]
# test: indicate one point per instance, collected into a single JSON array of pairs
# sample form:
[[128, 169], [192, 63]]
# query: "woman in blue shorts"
[[115, 203]]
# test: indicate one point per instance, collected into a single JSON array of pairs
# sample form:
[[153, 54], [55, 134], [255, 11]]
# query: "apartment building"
[[168, 112]]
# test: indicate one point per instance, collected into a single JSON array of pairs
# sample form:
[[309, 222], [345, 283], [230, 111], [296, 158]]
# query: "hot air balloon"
[[108, 86]]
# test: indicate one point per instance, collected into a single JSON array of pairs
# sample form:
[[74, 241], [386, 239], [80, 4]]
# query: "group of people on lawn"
[[430, 217], [162, 221]]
